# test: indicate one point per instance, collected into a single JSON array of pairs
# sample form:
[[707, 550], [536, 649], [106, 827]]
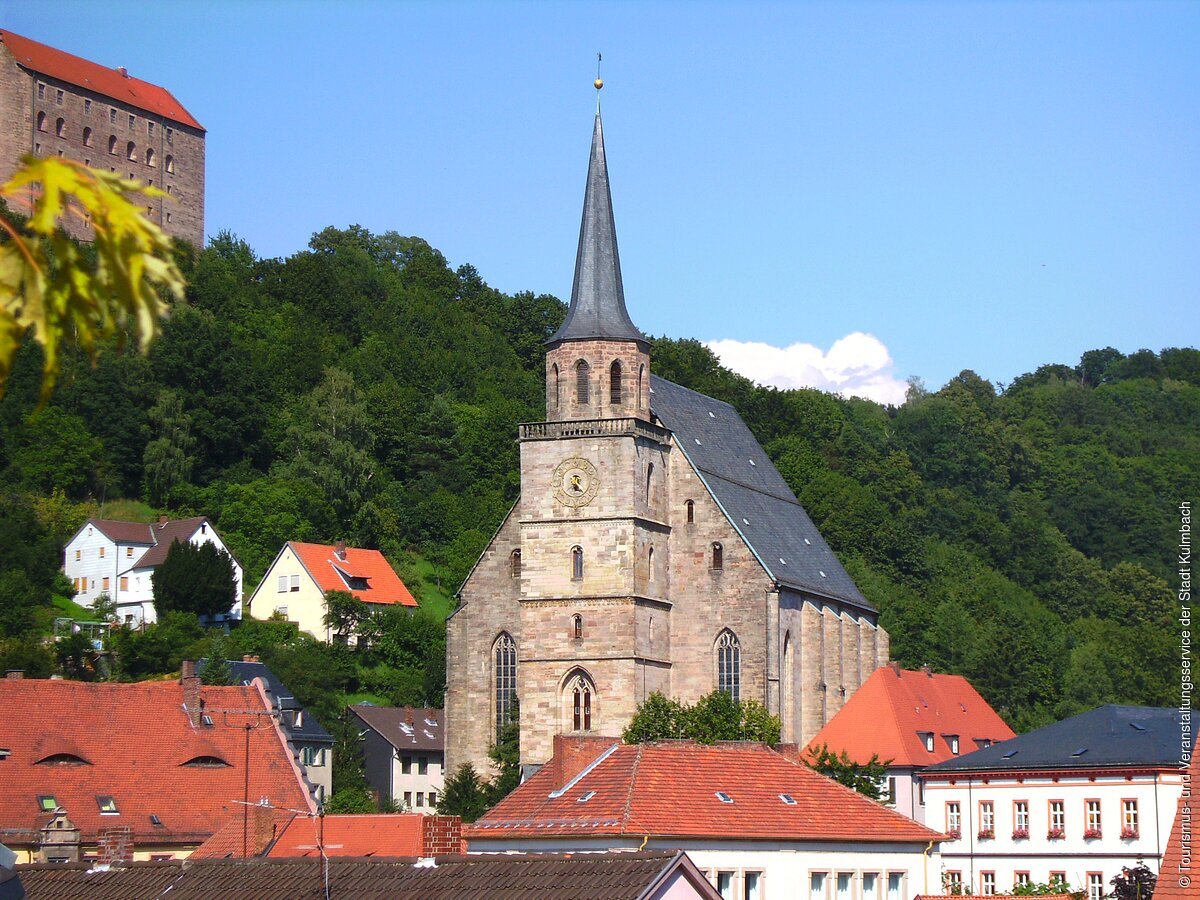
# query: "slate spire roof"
[[597, 295]]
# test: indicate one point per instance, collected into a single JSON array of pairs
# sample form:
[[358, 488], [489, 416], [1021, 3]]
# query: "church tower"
[[654, 547]]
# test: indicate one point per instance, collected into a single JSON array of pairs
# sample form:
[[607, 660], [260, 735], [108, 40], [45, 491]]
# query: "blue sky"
[[905, 188]]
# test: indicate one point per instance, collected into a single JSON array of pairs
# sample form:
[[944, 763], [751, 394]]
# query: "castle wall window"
[[514, 564], [691, 511], [112, 115], [87, 137], [614, 383], [58, 98], [41, 91], [112, 144], [577, 627], [649, 481], [87, 105], [718, 557], [60, 126], [650, 564], [729, 664], [577, 563], [150, 129], [41, 121], [504, 674], [131, 152], [150, 157], [580, 691], [132, 122], [582, 371]]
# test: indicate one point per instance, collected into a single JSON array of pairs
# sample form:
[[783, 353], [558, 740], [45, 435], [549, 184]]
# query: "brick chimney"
[[339, 550], [928, 671], [894, 666], [14, 674], [250, 657], [192, 704], [441, 835], [575, 752]]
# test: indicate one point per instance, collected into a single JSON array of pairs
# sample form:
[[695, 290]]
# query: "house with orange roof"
[[910, 720], [285, 833], [301, 574], [757, 822], [117, 558], [136, 771]]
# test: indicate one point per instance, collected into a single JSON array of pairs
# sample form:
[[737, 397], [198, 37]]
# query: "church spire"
[[597, 296]]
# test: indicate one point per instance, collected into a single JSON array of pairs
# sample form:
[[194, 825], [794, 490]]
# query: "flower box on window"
[[1128, 834], [1090, 834], [1020, 834], [1055, 834], [954, 834], [986, 834]]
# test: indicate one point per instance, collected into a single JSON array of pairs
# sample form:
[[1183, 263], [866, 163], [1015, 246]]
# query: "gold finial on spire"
[[599, 82]]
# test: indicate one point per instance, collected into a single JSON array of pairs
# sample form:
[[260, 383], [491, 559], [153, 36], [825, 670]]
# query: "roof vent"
[[711, 414], [822, 574], [122, 71], [782, 560], [586, 797], [1136, 727], [723, 797], [745, 521], [1079, 752], [788, 799], [1010, 754], [697, 440], [807, 541], [753, 463]]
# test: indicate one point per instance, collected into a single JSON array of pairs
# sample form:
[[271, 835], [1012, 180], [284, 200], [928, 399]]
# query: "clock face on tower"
[[575, 482]]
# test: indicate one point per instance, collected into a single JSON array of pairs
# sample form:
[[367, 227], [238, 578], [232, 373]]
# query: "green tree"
[[869, 778], [344, 613], [505, 755], [350, 801], [714, 717], [464, 794], [167, 459], [194, 578]]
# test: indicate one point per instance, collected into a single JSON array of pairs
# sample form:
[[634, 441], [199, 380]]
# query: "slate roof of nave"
[[748, 487]]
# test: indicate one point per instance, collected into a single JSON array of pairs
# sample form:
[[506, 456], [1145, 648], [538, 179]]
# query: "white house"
[[1072, 802], [758, 823], [403, 753], [117, 558]]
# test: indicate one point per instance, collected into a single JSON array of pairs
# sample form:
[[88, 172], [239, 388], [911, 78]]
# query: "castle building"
[[56, 104], [654, 547]]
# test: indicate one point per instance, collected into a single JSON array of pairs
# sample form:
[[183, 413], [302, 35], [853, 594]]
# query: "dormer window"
[[952, 741], [926, 739], [206, 761]]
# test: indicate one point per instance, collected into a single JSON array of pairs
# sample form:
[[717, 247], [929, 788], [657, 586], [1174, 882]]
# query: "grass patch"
[[67, 608], [427, 585]]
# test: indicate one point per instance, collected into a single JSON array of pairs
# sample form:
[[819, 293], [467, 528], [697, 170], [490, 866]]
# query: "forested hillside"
[[364, 390]]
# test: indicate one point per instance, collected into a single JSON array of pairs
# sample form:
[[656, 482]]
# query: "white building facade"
[[117, 559], [1013, 818]]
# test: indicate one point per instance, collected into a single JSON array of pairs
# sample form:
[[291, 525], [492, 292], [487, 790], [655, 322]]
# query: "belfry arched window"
[[514, 564], [579, 695], [641, 378], [691, 511], [577, 563], [582, 373], [729, 664], [554, 388], [718, 557], [504, 675], [614, 383]]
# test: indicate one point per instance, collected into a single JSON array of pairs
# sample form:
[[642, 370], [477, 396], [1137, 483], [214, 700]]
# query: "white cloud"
[[857, 365]]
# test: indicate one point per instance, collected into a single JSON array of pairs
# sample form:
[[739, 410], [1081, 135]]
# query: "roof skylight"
[[1080, 752], [1010, 754], [723, 797], [47, 802], [108, 805], [788, 799], [586, 797]]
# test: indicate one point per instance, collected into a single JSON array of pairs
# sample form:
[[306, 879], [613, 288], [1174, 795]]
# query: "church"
[[654, 547]]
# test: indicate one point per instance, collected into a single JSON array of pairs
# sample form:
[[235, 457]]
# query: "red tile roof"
[[123, 532], [887, 715], [669, 789], [369, 835], [136, 740], [1172, 873], [245, 836], [95, 77], [323, 564]]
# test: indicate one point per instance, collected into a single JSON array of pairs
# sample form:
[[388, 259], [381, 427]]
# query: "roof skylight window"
[[1009, 755], [1136, 727], [697, 440], [431, 723], [1080, 752], [788, 799], [753, 463], [155, 820], [745, 521], [724, 797], [711, 414], [822, 574], [782, 560], [586, 797], [108, 805], [47, 802], [807, 541]]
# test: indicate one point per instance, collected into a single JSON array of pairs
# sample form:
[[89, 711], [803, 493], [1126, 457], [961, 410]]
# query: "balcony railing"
[[544, 431]]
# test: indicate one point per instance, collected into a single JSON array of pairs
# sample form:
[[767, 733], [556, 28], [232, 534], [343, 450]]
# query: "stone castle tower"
[[654, 548]]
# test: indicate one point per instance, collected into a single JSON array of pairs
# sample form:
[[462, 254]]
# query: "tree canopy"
[[194, 578]]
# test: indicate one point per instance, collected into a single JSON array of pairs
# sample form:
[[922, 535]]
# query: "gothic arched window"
[[691, 512], [577, 627], [577, 563], [579, 694], [641, 378], [650, 563], [582, 371], [504, 674], [554, 395], [649, 481], [514, 564], [718, 557], [614, 383], [729, 664]]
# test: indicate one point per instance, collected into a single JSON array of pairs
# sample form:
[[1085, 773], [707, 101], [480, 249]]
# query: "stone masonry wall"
[[599, 356]]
